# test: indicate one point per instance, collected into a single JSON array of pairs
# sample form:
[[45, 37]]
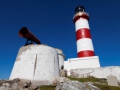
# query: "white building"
[[37, 63]]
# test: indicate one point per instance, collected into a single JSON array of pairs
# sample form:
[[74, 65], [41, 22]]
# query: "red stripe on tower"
[[83, 36], [83, 33]]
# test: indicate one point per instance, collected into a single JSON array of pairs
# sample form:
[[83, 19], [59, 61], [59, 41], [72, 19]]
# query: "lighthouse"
[[85, 50], [83, 36]]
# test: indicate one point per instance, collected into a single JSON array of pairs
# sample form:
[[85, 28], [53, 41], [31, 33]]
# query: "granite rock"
[[16, 84]]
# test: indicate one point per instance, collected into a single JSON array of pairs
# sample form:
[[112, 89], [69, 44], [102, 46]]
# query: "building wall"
[[86, 62], [61, 57], [36, 62]]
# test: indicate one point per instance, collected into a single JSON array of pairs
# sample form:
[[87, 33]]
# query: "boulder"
[[17, 84], [76, 85], [63, 73]]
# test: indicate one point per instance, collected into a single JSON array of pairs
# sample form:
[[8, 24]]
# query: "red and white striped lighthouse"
[[86, 56], [83, 36]]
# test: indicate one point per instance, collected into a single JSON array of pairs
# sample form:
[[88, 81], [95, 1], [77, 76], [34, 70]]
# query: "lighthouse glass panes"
[[79, 9]]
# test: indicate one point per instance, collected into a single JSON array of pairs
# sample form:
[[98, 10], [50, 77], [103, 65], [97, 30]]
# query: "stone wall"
[[101, 72]]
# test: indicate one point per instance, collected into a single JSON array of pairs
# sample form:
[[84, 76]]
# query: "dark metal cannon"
[[25, 33]]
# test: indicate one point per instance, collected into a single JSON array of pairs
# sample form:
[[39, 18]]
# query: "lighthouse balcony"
[[81, 14]]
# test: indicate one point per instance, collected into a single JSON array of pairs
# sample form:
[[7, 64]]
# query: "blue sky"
[[51, 21]]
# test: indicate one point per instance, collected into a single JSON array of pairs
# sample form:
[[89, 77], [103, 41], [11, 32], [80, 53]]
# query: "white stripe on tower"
[[83, 37], [85, 44], [82, 23]]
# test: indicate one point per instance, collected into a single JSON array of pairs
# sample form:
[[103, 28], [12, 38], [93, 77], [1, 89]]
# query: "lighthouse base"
[[85, 62]]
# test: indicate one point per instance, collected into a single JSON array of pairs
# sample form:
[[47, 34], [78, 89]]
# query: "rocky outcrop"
[[58, 80], [17, 84], [75, 85], [61, 83]]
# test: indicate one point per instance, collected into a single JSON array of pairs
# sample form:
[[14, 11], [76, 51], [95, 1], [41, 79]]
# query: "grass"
[[47, 87], [91, 79], [106, 87]]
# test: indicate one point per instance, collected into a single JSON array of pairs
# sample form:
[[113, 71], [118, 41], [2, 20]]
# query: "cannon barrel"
[[25, 33]]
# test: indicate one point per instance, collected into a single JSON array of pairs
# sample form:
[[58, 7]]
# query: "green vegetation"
[[90, 79], [47, 88], [106, 87]]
